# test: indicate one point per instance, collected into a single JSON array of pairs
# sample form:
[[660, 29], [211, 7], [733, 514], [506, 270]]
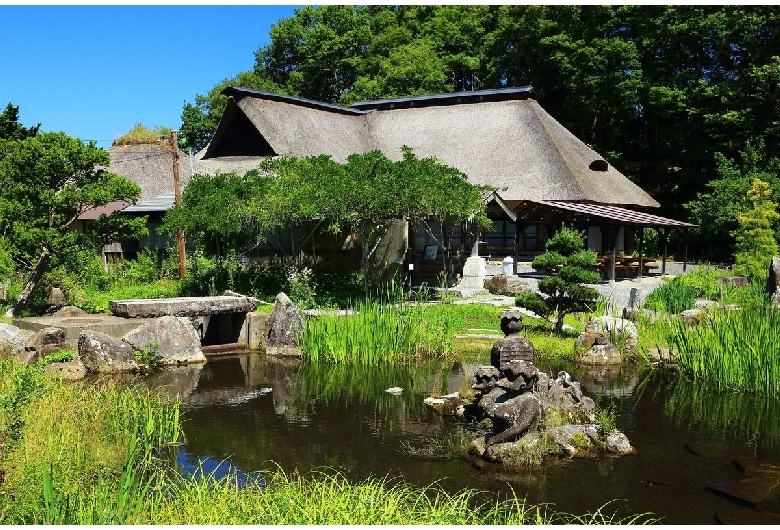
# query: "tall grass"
[[733, 350], [328, 498], [85, 454], [375, 333], [81, 453]]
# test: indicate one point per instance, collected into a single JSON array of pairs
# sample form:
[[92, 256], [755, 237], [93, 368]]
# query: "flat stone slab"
[[194, 306]]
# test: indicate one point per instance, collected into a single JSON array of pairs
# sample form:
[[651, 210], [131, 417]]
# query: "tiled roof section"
[[549, 210], [107, 209]]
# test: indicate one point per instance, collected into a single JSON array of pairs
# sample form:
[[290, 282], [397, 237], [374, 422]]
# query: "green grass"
[[399, 333], [78, 452], [96, 300], [87, 454], [730, 349]]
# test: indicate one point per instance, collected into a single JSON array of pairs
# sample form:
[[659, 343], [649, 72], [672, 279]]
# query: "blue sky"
[[93, 72]]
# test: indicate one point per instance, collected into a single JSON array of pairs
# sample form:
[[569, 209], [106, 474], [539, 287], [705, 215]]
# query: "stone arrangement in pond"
[[532, 415]]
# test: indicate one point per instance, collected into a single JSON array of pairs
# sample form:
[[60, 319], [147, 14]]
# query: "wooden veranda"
[[608, 218]]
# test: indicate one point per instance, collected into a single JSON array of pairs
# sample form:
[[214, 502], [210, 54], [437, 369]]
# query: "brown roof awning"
[[556, 211], [107, 209]]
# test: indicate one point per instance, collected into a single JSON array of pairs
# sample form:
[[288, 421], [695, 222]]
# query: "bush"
[[673, 297]]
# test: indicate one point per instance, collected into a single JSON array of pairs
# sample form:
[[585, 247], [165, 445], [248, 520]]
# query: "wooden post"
[[664, 237], [685, 258], [177, 200], [641, 250]]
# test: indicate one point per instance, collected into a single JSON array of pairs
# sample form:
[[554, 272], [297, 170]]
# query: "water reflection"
[[750, 416], [703, 457]]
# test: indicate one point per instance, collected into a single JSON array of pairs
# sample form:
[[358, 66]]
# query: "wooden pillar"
[[685, 257], [518, 226], [664, 238], [641, 251]]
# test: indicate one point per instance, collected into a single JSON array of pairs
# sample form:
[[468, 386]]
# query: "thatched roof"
[[500, 138], [150, 166]]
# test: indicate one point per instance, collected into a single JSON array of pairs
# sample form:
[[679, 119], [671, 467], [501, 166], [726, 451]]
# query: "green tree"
[[659, 90], [46, 182], [755, 241], [363, 196], [570, 265], [11, 129], [715, 210]]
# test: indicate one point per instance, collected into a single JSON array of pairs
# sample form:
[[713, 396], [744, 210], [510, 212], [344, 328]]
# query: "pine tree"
[[571, 266]]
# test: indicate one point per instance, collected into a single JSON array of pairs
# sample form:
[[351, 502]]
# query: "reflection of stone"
[[610, 380], [176, 382]]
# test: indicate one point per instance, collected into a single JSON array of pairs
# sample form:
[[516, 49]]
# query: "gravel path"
[[618, 291]]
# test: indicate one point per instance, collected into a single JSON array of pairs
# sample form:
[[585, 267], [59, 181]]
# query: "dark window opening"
[[241, 138]]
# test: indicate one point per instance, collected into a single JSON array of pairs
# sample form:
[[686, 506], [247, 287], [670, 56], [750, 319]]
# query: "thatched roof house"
[[500, 138]]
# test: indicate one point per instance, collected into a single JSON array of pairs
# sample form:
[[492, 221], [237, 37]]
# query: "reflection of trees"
[[316, 415], [749, 416]]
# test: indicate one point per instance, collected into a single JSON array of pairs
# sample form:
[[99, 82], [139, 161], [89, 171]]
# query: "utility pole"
[[177, 199]]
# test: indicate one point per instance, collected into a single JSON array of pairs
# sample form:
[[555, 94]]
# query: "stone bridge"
[[227, 323]]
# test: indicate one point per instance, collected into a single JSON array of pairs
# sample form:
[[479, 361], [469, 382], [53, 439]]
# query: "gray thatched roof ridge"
[[450, 98], [239, 92], [513, 146], [499, 138]]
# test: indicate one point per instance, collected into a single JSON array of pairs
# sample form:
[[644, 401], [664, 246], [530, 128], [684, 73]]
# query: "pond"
[[702, 457]]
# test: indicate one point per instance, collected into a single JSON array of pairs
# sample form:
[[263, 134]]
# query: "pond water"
[[702, 457]]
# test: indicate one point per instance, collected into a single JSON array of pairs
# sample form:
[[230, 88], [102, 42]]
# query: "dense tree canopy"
[[46, 182], [230, 213], [657, 89]]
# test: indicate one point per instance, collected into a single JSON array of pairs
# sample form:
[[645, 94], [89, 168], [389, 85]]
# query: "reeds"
[[82, 453], [376, 333], [329, 498], [732, 349]]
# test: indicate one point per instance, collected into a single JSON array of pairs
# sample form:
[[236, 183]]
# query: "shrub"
[[569, 264]]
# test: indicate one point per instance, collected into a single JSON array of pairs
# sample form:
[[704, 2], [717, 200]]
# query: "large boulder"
[[42, 343], [173, 340], [105, 354], [286, 323], [12, 339]]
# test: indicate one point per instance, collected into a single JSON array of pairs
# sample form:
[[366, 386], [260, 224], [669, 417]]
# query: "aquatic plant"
[[672, 297], [376, 333], [75, 444], [731, 349]]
